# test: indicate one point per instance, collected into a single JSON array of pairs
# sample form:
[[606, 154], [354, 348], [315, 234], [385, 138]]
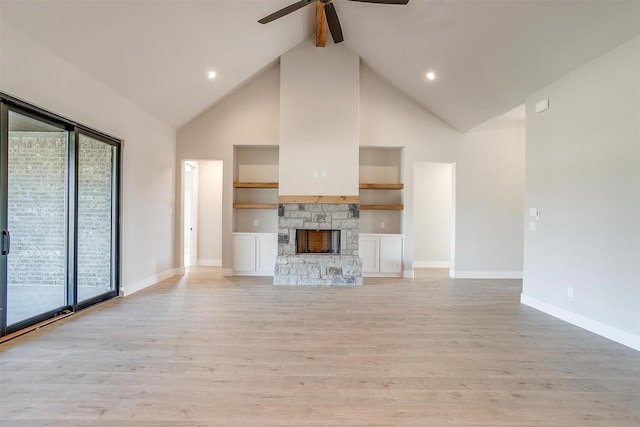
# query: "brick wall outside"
[[37, 210], [94, 213]]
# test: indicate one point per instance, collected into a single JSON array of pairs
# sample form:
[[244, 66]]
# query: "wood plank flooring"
[[206, 350]]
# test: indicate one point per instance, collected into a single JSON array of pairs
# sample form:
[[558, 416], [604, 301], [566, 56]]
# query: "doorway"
[[434, 212], [190, 212], [202, 213]]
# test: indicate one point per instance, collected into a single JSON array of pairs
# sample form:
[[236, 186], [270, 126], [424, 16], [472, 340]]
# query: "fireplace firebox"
[[318, 241]]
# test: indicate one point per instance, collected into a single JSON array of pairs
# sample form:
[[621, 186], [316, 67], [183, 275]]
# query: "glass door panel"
[[95, 272], [36, 218]]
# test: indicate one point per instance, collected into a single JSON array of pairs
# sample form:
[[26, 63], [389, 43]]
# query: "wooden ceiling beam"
[[321, 25]]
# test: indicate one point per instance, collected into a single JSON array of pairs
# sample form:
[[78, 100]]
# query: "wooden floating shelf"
[[255, 206], [368, 186], [255, 185], [381, 207], [319, 199]]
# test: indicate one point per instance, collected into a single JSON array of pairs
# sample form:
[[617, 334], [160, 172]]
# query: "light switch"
[[324, 174], [315, 174]]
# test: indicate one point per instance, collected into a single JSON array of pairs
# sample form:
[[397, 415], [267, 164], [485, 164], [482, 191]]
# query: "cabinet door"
[[266, 251], [370, 254], [244, 253], [391, 254]]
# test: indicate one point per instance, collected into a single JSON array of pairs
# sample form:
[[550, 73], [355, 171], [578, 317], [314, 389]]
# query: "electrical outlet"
[[382, 224], [570, 292], [315, 174], [255, 222], [324, 174], [532, 226]]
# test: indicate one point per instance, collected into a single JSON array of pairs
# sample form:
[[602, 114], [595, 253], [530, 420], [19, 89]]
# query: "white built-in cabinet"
[[381, 255], [255, 214], [381, 211], [254, 254]]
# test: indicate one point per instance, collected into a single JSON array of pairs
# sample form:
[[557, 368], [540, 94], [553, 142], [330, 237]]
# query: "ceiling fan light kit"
[[325, 12]]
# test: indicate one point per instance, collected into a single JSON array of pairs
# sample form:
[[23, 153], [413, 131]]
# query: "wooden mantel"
[[319, 199]]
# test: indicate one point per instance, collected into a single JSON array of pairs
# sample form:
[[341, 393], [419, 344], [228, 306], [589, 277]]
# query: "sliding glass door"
[[59, 211], [96, 204], [36, 216]]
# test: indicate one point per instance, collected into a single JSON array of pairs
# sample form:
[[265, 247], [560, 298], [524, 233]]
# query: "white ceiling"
[[488, 55]]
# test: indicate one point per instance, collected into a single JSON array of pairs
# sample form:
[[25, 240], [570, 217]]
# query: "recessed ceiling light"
[[430, 75], [211, 75]]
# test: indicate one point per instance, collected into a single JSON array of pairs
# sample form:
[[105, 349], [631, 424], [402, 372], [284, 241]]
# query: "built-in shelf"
[[371, 186], [381, 207], [255, 206], [255, 185]]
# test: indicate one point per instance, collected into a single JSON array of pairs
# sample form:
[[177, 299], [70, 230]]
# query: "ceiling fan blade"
[[384, 1], [333, 22], [285, 11]]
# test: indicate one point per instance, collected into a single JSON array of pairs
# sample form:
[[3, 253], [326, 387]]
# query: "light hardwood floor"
[[203, 350]]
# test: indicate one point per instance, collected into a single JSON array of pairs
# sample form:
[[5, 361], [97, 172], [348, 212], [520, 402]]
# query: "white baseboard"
[[408, 274], [431, 264], [139, 285], [378, 274], [609, 332], [209, 263], [457, 274], [227, 272]]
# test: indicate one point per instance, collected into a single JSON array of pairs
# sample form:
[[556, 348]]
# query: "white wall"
[[433, 211], [31, 72], [210, 213], [248, 116], [488, 181], [319, 121], [583, 174]]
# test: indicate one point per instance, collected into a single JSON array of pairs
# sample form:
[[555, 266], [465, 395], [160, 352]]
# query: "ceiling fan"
[[325, 11]]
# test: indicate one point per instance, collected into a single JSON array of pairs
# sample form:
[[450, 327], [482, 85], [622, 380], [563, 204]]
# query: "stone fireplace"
[[318, 244]]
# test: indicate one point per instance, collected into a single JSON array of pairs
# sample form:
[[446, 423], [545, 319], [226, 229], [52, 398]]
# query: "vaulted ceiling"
[[487, 55]]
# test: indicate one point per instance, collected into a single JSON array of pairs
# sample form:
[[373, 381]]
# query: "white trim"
[[227, 272], [149, 281], [431, 264], [379, 274], [614, 334], [209, 262], [253, 273], [485, 274], [408, 274]]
